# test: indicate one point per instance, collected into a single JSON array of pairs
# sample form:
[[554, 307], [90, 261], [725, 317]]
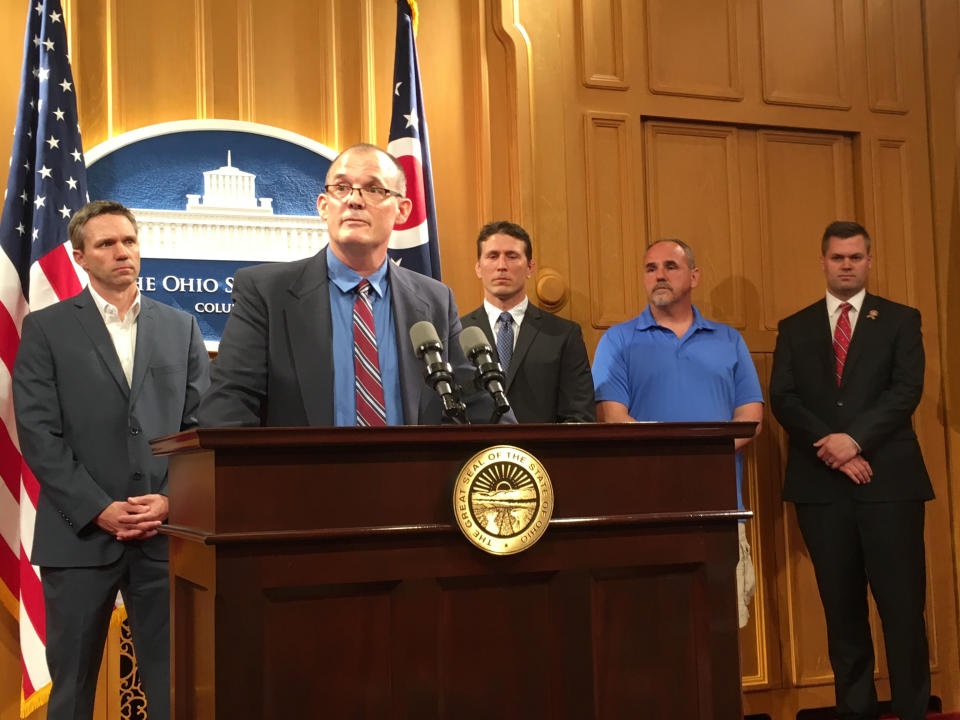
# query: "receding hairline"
[[676, 242], [371, 149]]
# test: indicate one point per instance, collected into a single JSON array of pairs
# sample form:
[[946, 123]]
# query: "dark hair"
[[843, 229], [505, 227], [687, 250], [91, 210], [371, 148]]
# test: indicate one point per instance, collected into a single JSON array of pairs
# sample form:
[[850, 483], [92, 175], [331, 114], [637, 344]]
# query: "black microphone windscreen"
[[471, 338], [422, 333]]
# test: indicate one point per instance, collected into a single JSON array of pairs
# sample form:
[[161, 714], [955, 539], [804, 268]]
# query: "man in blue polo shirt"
[[671, 364]]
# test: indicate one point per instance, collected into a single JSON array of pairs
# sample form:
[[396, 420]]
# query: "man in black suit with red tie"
[[847, 376]]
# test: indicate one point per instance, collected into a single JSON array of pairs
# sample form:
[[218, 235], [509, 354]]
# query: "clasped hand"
[[839, 452], [136, 519]]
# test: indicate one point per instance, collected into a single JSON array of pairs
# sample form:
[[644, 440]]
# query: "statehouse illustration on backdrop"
[[210, 197]]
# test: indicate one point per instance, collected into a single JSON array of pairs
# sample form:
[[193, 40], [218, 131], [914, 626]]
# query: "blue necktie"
[[505, 339]]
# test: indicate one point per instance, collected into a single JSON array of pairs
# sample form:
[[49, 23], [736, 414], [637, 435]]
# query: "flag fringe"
[[118, 617], [36, 701], [11, 603], [414, 15], [40, 698]]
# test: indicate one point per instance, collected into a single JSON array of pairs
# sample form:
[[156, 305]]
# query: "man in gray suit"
[[97, 376], [287, 356]]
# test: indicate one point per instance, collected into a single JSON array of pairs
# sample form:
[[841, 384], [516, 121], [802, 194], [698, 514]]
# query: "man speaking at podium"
[[323, 341]]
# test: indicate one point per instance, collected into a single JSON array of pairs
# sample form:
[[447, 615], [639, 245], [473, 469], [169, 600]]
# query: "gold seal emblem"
[[503, 500]]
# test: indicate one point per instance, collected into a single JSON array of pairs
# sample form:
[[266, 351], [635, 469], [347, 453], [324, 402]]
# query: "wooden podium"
[[317, 572]]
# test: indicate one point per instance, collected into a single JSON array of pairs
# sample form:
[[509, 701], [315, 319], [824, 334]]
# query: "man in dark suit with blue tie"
[[98, 376], [544, 358], [847, 376]]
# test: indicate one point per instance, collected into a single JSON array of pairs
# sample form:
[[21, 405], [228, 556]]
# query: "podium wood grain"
[[317, 572]]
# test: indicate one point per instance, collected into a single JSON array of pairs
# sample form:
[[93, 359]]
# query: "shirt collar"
[[645, 320], [834, 303], [517, 311], [109, 311], [346, 278]]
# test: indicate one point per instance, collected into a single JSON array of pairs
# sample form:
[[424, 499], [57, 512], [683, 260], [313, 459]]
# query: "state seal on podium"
[[503, 500]]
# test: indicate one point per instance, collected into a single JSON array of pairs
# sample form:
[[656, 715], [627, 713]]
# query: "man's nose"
[[355, 198]]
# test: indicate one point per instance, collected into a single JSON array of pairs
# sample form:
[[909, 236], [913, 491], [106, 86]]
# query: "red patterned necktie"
[[371, 410], [841, 340]]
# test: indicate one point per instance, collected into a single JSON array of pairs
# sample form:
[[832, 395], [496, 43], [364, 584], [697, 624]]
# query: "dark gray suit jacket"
[[549, 378], [882, 384], [275, 365], [85, 433]]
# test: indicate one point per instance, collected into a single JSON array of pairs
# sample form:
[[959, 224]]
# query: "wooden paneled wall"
[[741, 126], [744, 127]]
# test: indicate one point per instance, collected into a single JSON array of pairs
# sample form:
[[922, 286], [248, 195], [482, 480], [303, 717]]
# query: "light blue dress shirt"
[[343, 280]]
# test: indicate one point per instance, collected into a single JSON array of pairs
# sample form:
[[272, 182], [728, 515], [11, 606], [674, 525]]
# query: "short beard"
[[658, 300]]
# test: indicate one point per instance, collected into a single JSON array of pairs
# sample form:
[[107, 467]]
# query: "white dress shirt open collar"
[[123, 333]]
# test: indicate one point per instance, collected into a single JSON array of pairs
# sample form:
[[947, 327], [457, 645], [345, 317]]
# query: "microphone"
[[475, 346], [438, 374]]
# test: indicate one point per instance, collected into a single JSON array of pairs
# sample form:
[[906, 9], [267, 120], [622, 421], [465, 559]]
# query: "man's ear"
[[404, 208], [694, 277]]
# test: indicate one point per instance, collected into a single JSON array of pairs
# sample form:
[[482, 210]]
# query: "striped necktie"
[[371, 410], [841, 340]]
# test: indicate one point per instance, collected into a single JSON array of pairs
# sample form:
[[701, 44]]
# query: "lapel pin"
[[873, 314]]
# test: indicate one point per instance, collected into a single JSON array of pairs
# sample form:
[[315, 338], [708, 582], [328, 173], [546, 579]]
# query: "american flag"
[[46, 185], [414, 243]]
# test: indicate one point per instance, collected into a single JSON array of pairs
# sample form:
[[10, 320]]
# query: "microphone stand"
[[492, 371], [454, 409], [488, 371], [439, 376]]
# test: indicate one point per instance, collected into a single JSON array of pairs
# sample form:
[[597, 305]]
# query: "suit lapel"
[[862, 333], [92, 323], [479, 319], [408, 308], [146, 334], [529, 329], [308, 325], [820, 329]]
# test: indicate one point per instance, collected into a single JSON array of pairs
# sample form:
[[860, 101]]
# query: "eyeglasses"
[[372, 194]]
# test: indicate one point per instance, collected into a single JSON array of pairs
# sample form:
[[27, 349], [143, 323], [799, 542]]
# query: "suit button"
[[138, 476], [839, 403], [134, 430]]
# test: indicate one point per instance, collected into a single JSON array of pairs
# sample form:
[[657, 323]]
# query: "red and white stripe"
[[52, 278]]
